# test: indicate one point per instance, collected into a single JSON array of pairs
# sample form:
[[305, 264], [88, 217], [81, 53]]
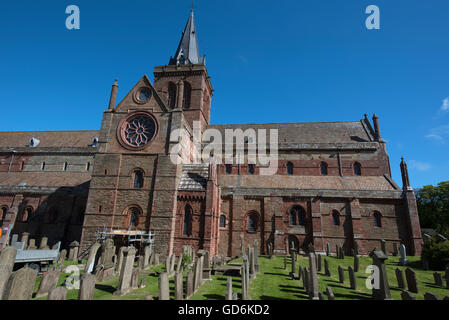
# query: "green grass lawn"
[[274, 283]]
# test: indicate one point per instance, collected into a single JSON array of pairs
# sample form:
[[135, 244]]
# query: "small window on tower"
[[251, 168], [187, 94], [138, 179], [222, 221], [357, 169], [228, 169], [171, 94], [324, 168], [289, 168]]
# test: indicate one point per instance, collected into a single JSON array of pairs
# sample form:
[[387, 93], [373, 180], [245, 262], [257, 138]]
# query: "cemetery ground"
[[273, 282]]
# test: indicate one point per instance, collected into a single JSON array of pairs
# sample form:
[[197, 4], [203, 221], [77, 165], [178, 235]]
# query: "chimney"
[[113, 95]]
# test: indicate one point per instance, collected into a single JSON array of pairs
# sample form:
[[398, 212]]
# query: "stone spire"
[[404, 174], [187, 52]]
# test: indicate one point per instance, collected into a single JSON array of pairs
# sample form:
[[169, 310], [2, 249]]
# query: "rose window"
[[138, 130]]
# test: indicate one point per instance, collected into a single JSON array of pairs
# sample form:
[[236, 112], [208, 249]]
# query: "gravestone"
[[190, 284], [406, 295], [431, 296], [172, 264], [21, 285], [126, 271], [270, 250], [327, 271], [403, 260], [73, 250], [58, 293], [383, 246], [244, 279], [356, 263], [341, 274], [313, 281], [135, 278], [383, 290], [156, 259], [342, 253], [48, 282], [7, 258], [164, 289], [120, 259], [330, 294], [395, 249], [352, 280], [179, 264], [356, 248], [242, 245], [319, 263], [438, 278], [143, 283], [87, 287], [400, 278], [300, 272], [146, 257], [229, 288], [337, 251], [293, 265], [178, 286], [412, 284], [328, 249], [32, 244], [24, 240], [43, 245], [93, 258], [167, 264], [256, 256], [321, 295], [252, 265], [62, 256], [306, 281]]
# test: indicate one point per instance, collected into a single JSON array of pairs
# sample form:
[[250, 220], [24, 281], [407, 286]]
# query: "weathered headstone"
[[438, 278], [87, 287], [190, 284], [330, 294], [431, 296], [48, 282], [73, 250], [62, 256], [256, 256], [400, 278], [24, 240], [58, 293], [164, 289], [179, 264], [406, 295], [120, 259], [300, 272], [328, 249], [242, 245], [146, 257], [356, 248], [327, 271], [319, 263], [126, 271], [381, 292], [135, 278], [412, 284], [21, 285], [7, 258], [172, 264], [43, 245], [293, 265], [32, 244], [313, 281], [178, 286], [167, 264], [403, 260], [341, 274], [156, 259], [93, 258], [352, 280]]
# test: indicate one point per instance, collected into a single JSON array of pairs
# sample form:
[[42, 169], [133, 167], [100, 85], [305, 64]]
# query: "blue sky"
[[283, 61]]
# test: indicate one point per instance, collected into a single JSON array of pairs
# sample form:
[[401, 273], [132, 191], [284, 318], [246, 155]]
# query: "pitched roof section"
[[188, 52], [194, 177], [309, 132], [48, 139]]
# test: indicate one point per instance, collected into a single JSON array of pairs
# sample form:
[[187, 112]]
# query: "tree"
[[433, 207]]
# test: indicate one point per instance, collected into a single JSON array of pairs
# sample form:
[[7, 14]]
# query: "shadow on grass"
[[277, 274], [214, 297], [354, 295], [105, 288]]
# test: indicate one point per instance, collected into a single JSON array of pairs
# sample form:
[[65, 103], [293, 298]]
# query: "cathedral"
[[332, 185]]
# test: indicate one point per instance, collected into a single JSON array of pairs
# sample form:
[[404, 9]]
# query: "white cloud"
[[419, 165], [445, 105], [438, 134], [435, 137]]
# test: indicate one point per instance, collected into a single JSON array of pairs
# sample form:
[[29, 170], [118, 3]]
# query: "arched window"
[[251, 168], [228, 169], [134, 214], [252, 222], [4, 211], [324, 168], [377, 219], [27, 213], [289, 168], [187, 94], [297, 213], [138, 179], [335, 217], [222, 221], [357, 169], [188, 213], [171, 94]]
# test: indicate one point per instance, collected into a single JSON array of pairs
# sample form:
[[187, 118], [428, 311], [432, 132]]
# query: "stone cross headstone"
[[48, 282], [7, 259], [327, 271], [400, 278], [431, 296], [438, 279], [330, 294], [229, 288], [87, 287], [352, 280], [382, 292], [58, 293], [313, 284], [179, 286], [341, 274], [126, 271], [164, 289], [403, 260], [21, 285], [406, 295], [412, 284]]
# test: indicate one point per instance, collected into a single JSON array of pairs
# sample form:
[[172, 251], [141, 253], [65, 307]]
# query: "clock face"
[[138, 130]]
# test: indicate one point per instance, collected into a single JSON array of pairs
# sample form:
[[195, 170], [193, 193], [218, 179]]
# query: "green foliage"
[[433, 207], [186, 261], [436, 253]]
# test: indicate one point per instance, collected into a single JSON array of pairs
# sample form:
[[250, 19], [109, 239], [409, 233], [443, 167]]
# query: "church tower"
[[184, 83]]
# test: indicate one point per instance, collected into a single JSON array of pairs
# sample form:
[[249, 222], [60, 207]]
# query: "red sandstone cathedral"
[[333, 182]]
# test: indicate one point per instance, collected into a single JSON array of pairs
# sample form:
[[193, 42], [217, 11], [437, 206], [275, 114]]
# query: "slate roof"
[[48, 139], [194, 177], [373, 183], [310, 132]]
